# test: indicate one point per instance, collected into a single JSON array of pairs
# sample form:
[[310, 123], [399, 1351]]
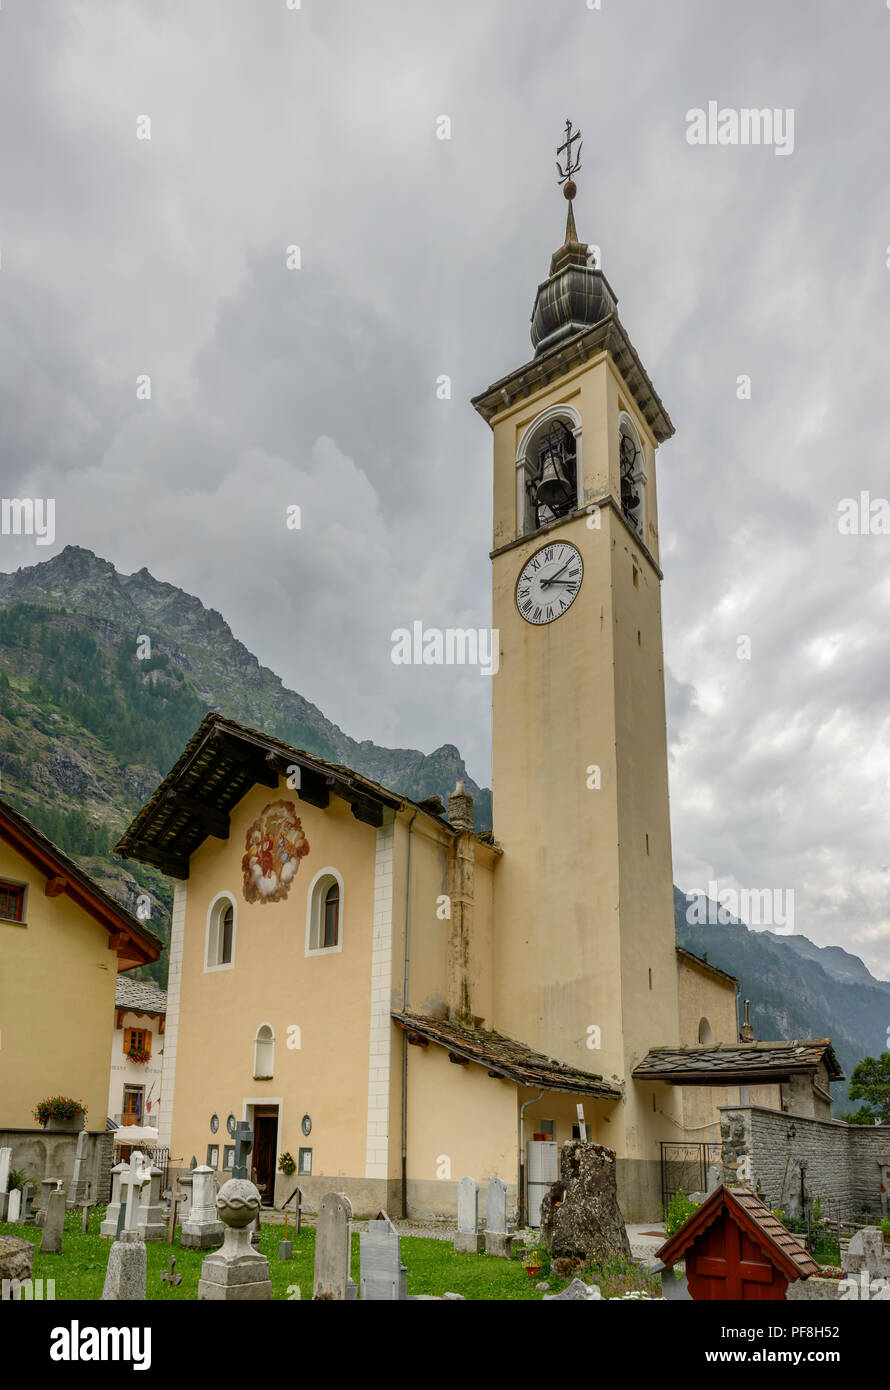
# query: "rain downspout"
[[522, 1109], [404, 1031]]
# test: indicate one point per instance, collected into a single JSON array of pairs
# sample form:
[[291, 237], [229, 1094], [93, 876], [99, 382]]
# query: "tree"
[[870, 1081]]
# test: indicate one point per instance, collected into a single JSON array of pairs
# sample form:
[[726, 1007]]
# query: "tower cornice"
[[608, 335]]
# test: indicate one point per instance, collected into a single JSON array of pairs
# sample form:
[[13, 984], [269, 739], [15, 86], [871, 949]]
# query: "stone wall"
[[40, 1155], [843, 1161]]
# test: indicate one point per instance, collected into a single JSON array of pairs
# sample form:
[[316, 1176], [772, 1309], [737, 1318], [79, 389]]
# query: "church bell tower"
[[585, 965]]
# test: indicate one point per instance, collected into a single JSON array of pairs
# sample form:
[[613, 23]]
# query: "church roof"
[[756, 1220], [218, 766], [684, 954], [720, 1064], [503, 1056]]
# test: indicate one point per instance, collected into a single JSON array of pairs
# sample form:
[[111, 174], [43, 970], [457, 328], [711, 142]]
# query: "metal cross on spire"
[[573, 162]]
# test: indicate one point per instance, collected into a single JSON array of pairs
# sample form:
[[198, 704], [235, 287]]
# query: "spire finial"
[[572, 165]]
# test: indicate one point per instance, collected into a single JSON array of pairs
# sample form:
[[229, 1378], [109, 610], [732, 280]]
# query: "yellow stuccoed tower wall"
[[584, 943]]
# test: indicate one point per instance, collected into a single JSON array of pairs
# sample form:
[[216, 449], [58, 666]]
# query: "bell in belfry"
[[556, 485]]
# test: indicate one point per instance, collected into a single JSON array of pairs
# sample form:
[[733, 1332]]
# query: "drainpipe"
[[404, 1032], [522, 1109]]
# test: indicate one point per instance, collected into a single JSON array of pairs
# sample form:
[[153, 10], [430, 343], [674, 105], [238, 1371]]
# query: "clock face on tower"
[[549, 582]]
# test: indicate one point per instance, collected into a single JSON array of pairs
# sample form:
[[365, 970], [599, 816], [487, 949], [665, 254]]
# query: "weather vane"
[[573, 163]]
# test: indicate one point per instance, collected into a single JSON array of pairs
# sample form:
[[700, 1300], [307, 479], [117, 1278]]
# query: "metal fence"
[[160, 1158], [684, 1167]]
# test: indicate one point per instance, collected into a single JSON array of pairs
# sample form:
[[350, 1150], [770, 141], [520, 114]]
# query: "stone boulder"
[[16, 1258], [576, 1291], [580, 1215]]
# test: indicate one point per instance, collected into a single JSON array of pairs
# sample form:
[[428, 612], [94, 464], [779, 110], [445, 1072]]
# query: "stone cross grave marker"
[[14, 1207], [54, 1225], [131, 1185], [5, 1165], [243, 1146], [382, 1276], [333, 1238], [169, 1276], [468, 1241], [497, 1242]]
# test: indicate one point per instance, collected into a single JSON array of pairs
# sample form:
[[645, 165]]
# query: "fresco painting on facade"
[[274, 845]]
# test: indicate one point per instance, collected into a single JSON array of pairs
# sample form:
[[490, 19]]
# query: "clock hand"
[[546, 582]]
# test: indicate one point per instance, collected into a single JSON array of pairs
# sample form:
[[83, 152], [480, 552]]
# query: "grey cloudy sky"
[[317, 127]]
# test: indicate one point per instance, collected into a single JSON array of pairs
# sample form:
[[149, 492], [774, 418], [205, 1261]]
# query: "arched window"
[[632, 474], [220, 933], [549, 482], [332, 915], [264, 1053], [324, 913], [705, 1032]]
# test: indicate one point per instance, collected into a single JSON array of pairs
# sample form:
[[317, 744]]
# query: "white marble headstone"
[[468, 1206], [496, 1205]]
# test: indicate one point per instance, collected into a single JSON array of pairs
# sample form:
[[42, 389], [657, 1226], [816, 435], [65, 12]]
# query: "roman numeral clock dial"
[[549, 582]]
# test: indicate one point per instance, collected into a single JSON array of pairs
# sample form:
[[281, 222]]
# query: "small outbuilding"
[[735, 1248]]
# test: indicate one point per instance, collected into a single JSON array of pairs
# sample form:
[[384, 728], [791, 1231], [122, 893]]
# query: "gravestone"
[[497, 1242], [382, 1276], [5, 1165], [109, 1225], [237, 1272], [202, 1228], [125, 1275], [580, 1215], [14, 1207], [468, 1241], [864, 1253], [54, 1225], [333, 1238], [186, 1182], [47, 1185], [78, 1183], [27, 1215], [151, 1208]]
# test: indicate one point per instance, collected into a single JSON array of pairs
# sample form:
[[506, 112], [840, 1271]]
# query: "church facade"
[[395, 1000]]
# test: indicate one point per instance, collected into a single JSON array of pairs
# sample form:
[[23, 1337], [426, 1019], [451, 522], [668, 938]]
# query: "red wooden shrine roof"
[[747, 1210]]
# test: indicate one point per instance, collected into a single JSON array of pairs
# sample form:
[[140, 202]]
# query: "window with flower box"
[[137, 1042]]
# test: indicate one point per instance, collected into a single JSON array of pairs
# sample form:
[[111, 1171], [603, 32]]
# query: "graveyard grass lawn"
[[433, 1267]]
